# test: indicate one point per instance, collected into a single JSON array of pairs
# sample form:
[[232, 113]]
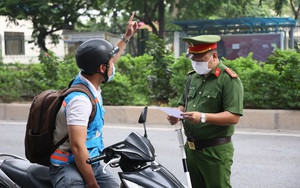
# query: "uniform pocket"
[[210, 98], [210, 94], [192, 93]]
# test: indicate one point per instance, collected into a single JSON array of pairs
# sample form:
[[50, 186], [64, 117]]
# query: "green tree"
[[287, 64], [147, 11], [284, 7], [212, 9], [46, 16], [160, 76]]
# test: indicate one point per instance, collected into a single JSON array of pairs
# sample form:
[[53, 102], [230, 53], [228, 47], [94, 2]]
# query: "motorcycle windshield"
[[136, 147]]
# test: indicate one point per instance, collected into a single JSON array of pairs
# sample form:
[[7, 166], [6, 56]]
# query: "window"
[[14, 43]]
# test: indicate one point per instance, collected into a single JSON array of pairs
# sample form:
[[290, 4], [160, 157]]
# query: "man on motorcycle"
[[95, 58]]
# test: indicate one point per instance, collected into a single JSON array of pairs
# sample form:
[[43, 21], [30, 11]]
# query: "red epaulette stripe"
[[231, 72]]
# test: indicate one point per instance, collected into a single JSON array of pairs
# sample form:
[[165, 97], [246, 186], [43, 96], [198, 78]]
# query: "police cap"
[[201, 44]]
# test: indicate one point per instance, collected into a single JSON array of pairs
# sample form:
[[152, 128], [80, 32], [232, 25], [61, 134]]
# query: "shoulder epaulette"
[[191, 72], [231, 72]]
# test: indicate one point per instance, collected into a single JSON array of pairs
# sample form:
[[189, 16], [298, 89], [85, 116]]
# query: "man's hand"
[[193, 117], [173, 120], [131, 27]]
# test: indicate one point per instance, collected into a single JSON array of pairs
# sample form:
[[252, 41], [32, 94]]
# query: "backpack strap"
[[81, 88]]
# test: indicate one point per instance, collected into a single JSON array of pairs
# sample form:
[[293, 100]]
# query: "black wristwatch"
[[124, 39]]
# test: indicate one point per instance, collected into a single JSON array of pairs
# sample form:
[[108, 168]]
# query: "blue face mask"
[[113, 74]]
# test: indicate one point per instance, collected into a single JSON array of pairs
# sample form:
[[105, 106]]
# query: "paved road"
[[263, 159]]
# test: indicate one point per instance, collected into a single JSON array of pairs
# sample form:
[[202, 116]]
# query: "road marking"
[[248, 132], [256, 132], [140, 127]]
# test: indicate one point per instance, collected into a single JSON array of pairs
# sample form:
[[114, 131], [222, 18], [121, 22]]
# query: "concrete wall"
[[256, 119]]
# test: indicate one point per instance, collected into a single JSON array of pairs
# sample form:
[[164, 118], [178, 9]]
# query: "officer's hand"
[[131, 27], [193, 117], [172, 120]]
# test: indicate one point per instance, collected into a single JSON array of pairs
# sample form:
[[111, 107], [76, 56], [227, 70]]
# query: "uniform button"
[[200, 93], [203, 80], [194, 105], [208, 96]]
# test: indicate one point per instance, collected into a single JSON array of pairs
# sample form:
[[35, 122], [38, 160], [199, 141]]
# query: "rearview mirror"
[[143, 115]]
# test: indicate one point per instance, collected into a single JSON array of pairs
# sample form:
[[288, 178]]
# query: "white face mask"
[[201, 67], [113, 74]]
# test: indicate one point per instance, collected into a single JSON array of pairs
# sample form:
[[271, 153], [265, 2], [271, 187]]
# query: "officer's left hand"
[[172, 120], [131, 27], [193, 117]]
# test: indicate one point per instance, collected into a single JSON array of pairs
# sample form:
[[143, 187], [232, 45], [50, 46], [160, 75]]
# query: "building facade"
[[15, 45]]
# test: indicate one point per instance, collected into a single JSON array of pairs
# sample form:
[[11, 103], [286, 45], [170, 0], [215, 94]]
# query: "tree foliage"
[[46, 16], [284, 7], [49, 16], [147, 11], [212, 9]]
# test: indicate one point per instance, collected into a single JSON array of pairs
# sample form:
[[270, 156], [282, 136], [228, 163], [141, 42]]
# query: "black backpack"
[[39, 144]]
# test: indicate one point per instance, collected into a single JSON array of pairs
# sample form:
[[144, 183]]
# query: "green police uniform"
[[221, 91]]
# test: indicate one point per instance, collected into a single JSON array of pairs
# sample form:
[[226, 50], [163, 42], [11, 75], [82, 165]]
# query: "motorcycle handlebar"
[[95, 159]]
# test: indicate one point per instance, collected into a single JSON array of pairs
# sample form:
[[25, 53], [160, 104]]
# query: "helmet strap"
[[105, 75]]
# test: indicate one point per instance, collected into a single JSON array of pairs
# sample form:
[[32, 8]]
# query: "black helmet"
[[94, 52]]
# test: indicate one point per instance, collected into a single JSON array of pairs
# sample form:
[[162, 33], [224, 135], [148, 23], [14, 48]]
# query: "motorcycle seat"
[[27, 174]]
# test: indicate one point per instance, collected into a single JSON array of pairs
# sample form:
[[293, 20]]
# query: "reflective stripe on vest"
[[59, 157]]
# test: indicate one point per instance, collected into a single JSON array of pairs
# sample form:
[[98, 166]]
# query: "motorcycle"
[[135, 156]]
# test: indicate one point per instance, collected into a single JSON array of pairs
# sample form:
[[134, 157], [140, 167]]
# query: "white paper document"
[[171, 111]]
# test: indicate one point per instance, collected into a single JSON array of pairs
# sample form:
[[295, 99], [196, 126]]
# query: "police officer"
[[212, 104]]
